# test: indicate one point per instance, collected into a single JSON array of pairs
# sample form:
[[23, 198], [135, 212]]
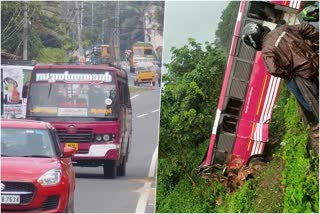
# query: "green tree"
[[225, 29], [188, 105]]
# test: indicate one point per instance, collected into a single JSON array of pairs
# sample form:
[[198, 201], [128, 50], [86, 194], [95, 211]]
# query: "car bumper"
[[43, 199]]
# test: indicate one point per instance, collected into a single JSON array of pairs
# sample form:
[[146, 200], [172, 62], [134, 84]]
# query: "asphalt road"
[[136, 191]]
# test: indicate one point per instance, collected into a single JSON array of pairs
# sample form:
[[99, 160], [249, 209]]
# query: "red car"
[[36, 174]]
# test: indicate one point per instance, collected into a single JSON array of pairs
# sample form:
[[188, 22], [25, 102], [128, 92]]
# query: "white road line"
[[141, 115], [134, 96], [152, 168], [143, 199], [155, 110]]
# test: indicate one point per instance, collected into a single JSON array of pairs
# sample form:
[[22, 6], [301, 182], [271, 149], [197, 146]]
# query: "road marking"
[[144, 194], [141, 115], [155, 110], [134, 96], [152, 168]]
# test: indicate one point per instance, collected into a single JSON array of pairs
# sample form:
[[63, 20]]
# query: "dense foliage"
[[188, 105], [53, 25]]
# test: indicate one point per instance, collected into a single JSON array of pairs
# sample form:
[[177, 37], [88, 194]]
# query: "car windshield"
[[20, 142]]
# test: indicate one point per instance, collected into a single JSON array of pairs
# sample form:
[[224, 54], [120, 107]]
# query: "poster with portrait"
[[14, 82]]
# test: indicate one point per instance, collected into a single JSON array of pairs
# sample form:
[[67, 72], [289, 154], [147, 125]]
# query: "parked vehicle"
[[90, 107], [248, 96], [36, 173]]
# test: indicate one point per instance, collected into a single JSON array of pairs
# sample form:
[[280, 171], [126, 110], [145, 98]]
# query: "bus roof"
[[118, 71]]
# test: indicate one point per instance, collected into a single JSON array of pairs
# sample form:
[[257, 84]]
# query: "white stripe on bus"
[[262, 117], [299, 3], [253, 147], [278, 82], [257, 146], [216, 122], [270, 104], [261, 148], [296, 5], [271, 95], [267, 102]]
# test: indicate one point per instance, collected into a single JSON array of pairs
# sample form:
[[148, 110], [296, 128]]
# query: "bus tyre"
[[110, 169], [256, 164], [121, 169]]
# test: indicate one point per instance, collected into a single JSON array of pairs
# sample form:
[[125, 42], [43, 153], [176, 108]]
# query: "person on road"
[[291, 53]]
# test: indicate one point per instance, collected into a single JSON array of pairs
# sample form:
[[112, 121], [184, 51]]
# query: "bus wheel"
[[121, 169], [256, 164], [110, 169]]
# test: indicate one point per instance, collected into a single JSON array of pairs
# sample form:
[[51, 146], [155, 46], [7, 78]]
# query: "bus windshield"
[[61, 99]]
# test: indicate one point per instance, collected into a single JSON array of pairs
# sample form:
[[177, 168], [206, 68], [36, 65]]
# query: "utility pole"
[[78, 16], [91, 13], [116, 37], [25, 32]]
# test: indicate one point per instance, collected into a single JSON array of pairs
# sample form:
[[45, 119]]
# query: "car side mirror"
[[68, 152]]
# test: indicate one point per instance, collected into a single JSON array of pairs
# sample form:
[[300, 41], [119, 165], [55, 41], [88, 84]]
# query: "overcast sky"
[[190, 19]]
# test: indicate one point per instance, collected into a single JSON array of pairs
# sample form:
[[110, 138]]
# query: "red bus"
[[248, 94], [90, 107]]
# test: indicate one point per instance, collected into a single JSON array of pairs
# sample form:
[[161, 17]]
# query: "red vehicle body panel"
[[261, 94], [27, 170], [97, 127]]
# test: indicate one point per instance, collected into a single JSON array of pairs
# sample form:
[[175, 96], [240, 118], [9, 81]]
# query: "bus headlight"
[[98, 138], [106, 137]]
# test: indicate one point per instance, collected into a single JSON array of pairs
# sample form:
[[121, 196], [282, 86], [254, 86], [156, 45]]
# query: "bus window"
[[148, 52], [233, 106], [238, 88], [264, 11], [229, 124], [244, 52]]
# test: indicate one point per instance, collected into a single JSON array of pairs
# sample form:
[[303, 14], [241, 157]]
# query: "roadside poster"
[[14, 83]]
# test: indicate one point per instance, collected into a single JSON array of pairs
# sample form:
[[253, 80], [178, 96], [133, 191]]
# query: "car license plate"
[[73, 145], [10, 199]]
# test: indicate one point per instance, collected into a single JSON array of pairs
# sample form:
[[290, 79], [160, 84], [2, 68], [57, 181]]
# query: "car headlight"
[[52, 177]]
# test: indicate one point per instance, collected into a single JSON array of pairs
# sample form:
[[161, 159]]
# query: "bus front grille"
[[82, 135]]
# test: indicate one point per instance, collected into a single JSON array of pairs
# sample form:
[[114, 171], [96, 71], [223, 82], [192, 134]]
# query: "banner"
[[15, 82]]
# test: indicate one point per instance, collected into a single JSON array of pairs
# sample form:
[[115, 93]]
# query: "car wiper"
[[36, 156]]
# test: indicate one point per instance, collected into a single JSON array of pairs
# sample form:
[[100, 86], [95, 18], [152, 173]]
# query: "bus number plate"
[[73, 145]]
